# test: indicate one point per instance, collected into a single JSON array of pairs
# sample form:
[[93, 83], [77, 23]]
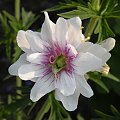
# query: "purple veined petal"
[[84, 87], [108, 44], [71, 51], [43, 86], [86, 62], [13, 69], [23, 42], [30, 71], [66, 83], [48, 29], [61, 32]]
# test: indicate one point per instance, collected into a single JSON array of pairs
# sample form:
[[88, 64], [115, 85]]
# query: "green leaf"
[[10, 17], [114, 14], [115, 111], [107, 6], [28, 18], [69, 4], [112, 77], [104, 116], [106, 30], [45, 108], [98, 27], [95, 4], [96, 77], [82, 12]]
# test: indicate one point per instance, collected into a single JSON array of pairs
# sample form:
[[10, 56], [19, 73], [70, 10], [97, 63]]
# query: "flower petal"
[[22, 41], [43, 86], [61, 31], [69, 102], [84, 87], [108, 44], [29, 71], [72, 50], [75, 31], [37, 58], [86, 62], [66, 83], [13, 69], [36, 44], [48, 29], [99, 52]]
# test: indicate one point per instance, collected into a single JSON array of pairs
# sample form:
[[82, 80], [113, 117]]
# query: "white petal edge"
[[47, 29], [43, 86], [29, 71], [108, 44], [23, 42], [99, 52], [66, 83], [86, 62], [13, 69], [61, 31], [84, 87], [36, 58]]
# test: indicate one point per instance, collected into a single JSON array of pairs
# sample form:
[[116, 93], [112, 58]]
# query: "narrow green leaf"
[[114, 14], [104, 116], [45, 108], [106, 30], [115, 111], [11, 17], [95, 77], [112, 77], [83, 13]]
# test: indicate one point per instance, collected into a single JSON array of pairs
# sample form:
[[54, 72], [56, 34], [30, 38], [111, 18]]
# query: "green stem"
[[18, 81], [17, 9], [91, 27], [18, 84], [19, 92], [45, 108]]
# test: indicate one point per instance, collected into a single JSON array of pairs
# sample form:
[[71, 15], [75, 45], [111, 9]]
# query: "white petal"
[[100, 52], [83, 47], [84, 87], [29, 71], [75, 32], [76, 22], [69, 102], [36, 44], [66, 84], [72, 50], [43, 86], [108, 44], [22, 41], [86, 62], [37, 58], [48, 29], [13, 69], [61, 31]]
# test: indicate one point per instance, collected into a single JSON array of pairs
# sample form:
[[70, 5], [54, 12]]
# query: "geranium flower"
[[57, 58]]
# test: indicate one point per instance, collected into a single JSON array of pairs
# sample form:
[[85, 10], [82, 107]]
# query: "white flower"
[[57, 59]]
